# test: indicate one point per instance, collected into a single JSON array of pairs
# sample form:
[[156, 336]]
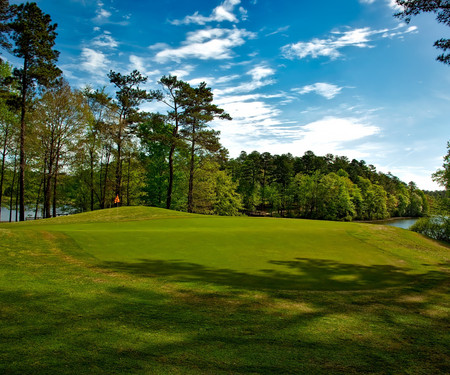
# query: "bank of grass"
[[150, 291]]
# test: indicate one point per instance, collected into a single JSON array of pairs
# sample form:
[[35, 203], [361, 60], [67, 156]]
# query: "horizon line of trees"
[[62, 147]]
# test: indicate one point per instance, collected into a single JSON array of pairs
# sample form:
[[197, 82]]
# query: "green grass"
[[149, 291]]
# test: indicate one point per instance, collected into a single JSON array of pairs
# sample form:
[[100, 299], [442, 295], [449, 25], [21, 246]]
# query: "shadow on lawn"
[[302, 274], [268, 323], [124, 329]]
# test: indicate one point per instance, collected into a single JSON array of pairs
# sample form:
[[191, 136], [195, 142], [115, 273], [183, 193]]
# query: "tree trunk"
[[3, 167], [171, 153], [119, 163], [105, 180], [91, 156], [12, 189], [17, 206], [55, 181], [128, 180], [191, 174], [22, 161], [48, 185], [37, 200], [170, 185]]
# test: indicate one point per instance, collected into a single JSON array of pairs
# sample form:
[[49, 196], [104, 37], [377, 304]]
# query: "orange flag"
[[117, 200]]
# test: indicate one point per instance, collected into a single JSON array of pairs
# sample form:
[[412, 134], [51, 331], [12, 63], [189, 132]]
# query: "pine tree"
[[34, 36]]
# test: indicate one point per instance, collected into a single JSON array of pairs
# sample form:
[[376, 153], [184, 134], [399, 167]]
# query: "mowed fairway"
[[149, 291]]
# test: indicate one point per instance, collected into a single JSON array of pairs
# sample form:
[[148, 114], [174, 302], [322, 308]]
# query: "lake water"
[[29, 214], [400, 223], [5, 214]]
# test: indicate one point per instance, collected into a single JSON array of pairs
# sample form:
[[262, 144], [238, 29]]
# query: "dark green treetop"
[[34, 36]]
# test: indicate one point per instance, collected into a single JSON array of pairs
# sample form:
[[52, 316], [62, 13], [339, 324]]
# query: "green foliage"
[[442, 176], [34, 36], [328, 187], [437, 227], [214, 191], [227, 201]]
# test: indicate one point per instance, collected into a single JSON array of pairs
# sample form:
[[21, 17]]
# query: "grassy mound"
[[150, 291]]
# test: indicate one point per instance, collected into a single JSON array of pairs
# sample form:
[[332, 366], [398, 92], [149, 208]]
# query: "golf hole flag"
[[117, 200]]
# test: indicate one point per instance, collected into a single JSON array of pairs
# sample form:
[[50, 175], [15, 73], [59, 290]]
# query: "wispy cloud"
[[182, 72], [214, 80], [279, 30], [142, 65], [102, 14], [393, 4], [257, 125], [390, 3], [327, 90], [332, 46], [94, 61], [223, 12], [206, 44], [260, 77], [105, 40], [253, 117]]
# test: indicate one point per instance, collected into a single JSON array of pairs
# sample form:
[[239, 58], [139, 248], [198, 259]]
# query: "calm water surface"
[[400, 223]]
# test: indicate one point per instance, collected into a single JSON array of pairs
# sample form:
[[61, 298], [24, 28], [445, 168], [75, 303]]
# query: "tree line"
[[80, 149]]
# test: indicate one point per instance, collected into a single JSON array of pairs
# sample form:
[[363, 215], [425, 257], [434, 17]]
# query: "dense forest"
[[79, 149]]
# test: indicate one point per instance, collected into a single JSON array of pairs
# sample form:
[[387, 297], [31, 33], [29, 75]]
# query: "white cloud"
[[244, 13], [327, 90], [137, 63], [105, 40], [393, 4], [252, 117], [392, 33], [223, 12], [102, 13], [94, 61], [206, 44], [179, 73], [258, 74], [257, 125], [279, 30], [334, 130], [331, 46], [420, 175]]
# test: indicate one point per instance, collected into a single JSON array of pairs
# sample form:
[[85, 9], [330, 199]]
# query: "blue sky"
[[340, 77]]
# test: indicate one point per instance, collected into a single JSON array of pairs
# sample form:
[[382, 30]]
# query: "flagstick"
[[117, 201]]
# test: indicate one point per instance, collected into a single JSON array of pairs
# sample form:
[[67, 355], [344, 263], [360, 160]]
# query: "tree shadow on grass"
[[298, 274], [124, 329], [247, 324]]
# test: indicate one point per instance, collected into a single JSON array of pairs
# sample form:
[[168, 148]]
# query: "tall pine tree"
[[34, 36]]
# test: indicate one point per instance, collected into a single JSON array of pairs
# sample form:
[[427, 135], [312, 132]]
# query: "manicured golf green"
[[139, 290]]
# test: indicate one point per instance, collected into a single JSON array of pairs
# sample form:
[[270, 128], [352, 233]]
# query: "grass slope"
[[149, 291]]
